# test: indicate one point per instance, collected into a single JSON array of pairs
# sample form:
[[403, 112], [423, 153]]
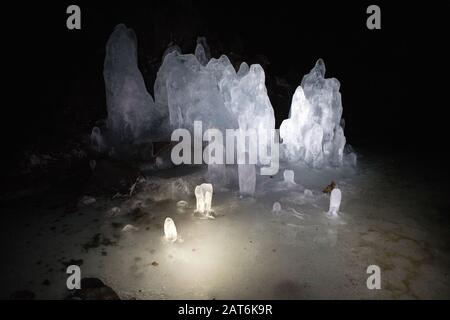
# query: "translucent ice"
[[289, 177], [132, 114], [200, 55], [276, 209], [202, 41], [191, 93], [203, 194], [202, 51], [246, 96], [335, 201], [247, 179], [170, 230], [313, 132]]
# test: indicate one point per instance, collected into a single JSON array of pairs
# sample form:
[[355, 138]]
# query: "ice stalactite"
[[313, 133]]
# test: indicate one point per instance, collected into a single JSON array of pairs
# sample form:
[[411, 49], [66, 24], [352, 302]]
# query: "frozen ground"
[[392, 215]]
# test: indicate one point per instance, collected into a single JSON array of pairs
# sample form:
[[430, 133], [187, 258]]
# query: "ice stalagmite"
[[203, 194], [132, 114], [245, 95], [313, 133], [170, 230], [191, 93], [335, 201], [288, 176]]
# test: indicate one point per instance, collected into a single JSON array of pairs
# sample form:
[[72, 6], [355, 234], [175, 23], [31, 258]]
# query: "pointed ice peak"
[[243, 69], [201, 55], [315, 76], [319, 67], [172, 47], [202, 41]]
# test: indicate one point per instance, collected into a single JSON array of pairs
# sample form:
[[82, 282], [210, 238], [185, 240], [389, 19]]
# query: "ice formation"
[[97, 140], [214, 94], [132, 113], [247, 179], [202, 41], [313, 132], [202, 52], [276, 209], [203, 194], [335, 201], [170, 230], [191, 93], [289, 177]]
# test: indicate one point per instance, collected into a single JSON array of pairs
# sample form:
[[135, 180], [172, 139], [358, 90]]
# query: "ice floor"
[[392, 215]]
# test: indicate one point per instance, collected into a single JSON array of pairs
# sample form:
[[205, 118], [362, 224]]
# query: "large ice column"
[[191, 93], [132, 114], [313, 133], [246, 96]]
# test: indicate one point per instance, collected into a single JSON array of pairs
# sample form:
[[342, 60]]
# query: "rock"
[[329, 187], [22, 295], [94, 289]]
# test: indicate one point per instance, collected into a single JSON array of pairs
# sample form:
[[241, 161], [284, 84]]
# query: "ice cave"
[[274, 193]]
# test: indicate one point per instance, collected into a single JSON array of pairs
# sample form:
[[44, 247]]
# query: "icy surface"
[[313, 133], [247, 252], [132, 113]]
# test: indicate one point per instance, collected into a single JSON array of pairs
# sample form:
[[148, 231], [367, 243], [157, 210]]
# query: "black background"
[[394, 81]]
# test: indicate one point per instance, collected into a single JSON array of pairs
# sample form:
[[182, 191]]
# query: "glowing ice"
[[335, 201], [203, 194], [313, 132], [289, 177], [170, 230]]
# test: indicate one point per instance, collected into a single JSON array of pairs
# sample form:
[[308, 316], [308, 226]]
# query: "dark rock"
[[93, 289], [22, 295]]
